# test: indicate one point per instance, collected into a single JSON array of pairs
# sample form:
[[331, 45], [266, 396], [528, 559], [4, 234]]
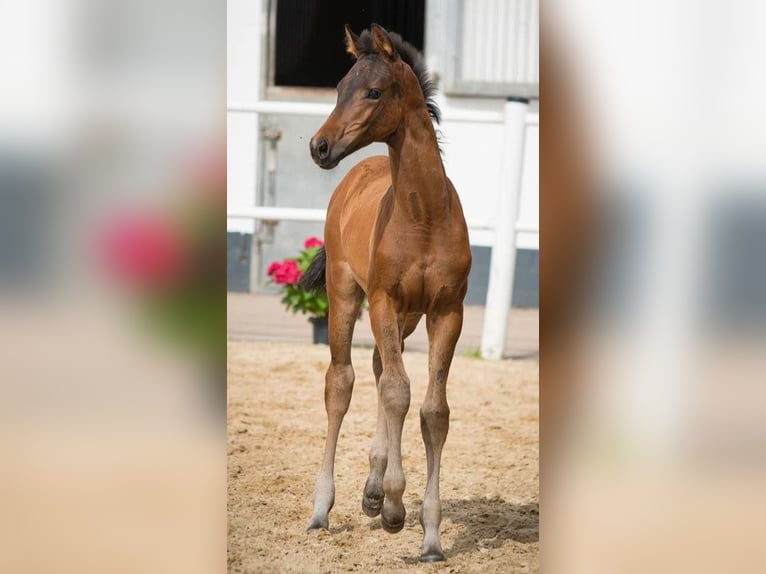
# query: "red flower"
[[275, 265], [313, 242], [285, 273]]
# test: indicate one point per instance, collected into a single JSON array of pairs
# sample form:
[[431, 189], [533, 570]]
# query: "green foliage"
[[473, 353]]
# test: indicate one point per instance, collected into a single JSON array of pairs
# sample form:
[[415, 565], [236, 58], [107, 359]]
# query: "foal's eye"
[[374, 94]]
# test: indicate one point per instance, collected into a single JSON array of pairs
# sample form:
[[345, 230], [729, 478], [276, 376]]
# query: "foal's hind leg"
[[372, 500], [345, 298], [443, 332]]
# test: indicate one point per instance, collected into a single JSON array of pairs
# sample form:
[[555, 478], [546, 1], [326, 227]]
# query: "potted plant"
[[287, 273]]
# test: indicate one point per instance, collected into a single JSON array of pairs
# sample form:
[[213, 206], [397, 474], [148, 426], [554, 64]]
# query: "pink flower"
[[313, 242], [275, 265], [287, 273]]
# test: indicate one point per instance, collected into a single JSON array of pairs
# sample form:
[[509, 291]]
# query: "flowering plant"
[[289, 272]]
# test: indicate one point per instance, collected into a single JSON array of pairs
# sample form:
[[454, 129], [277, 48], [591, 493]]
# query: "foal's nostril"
[[323, 149]]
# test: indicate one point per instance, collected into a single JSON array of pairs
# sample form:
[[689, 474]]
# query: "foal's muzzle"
[[320, 149], [320, 152]]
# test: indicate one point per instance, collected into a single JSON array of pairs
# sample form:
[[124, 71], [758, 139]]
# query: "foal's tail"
[[314, 277]]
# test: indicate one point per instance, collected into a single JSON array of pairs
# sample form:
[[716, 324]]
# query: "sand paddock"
[[276, 427]]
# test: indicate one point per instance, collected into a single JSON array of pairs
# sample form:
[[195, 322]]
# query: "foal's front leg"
[[443, 332], [394, 394], [372, 500], [339, 382]]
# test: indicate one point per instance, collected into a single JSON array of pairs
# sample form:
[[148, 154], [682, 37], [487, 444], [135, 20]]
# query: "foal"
[[395, 230]]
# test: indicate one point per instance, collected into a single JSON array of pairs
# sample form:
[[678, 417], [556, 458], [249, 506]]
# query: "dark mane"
[[414, 59]]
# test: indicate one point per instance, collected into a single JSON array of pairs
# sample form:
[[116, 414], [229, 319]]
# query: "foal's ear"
[[352, 43], [382, 43]]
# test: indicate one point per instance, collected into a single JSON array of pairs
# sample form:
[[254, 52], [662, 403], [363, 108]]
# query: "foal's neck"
[[417, 172]]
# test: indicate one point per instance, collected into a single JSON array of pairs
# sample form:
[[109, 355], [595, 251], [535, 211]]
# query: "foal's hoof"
[[432, 557], [391, 528], [318, 524], [371, 506]]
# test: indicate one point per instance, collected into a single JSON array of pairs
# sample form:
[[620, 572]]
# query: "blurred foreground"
[[112, 300], [653, 297]]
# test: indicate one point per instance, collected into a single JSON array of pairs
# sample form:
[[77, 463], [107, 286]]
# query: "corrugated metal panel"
[[497, 48]]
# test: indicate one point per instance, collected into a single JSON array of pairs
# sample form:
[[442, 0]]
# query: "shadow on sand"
[[487, 523]]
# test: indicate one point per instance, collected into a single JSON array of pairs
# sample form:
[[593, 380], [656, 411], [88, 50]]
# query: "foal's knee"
[[395, 393], [339, 382], [378, 457]]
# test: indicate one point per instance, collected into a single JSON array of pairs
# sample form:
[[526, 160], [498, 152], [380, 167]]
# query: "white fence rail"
[[515, 117]]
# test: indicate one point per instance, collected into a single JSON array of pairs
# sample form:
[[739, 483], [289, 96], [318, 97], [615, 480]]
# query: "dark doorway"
[[309, 35]]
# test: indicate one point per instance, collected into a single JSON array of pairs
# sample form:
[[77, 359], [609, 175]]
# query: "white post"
[[503, 259]]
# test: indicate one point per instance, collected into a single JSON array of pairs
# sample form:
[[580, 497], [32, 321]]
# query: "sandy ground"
[[276, 427]]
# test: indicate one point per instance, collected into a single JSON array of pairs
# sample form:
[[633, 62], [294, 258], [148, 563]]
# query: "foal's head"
[[387, 78]]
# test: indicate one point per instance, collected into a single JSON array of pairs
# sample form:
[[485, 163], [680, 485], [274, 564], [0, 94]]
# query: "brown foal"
[[395, 231]]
